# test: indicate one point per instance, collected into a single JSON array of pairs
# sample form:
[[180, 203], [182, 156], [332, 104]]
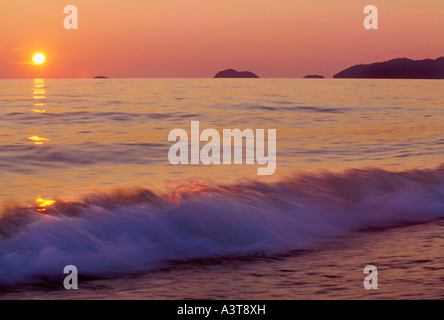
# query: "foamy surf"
[[140, 230]]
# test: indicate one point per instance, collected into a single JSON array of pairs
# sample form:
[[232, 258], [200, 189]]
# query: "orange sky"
[[197, 38]]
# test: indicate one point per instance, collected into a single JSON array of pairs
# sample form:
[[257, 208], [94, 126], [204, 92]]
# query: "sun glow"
[[39, 58]]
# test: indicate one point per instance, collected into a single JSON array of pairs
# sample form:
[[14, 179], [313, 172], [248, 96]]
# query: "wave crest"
[[138, 230]]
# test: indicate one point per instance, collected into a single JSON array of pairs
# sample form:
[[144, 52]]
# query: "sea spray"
[[130, 232]]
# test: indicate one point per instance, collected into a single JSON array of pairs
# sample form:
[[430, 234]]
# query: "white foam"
[[108, 235]]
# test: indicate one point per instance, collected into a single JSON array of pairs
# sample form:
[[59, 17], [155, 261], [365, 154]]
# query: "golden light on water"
[[35, 138], [38, 58], [38, 140], [44, 203], [39, 94]]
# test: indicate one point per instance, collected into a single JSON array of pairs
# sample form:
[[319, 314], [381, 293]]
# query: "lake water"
[[85, 181]]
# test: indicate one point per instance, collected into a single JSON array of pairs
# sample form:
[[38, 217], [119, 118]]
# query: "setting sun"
[[39, 58]]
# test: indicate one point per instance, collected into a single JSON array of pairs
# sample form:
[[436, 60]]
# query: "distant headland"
[[231, 73], [314, 76], [401, 68]]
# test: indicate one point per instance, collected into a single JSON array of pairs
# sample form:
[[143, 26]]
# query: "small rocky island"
[[314, 76], [231, 73], [100, 77], [402, 68]]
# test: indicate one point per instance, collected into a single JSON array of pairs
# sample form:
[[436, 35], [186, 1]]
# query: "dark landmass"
[[402, 68], [100, 77], [314, 76], [231, 73]]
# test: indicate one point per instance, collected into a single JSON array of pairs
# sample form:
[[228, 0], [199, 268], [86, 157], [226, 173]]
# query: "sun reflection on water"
[[38, 140], [44, 203], [39, 94]]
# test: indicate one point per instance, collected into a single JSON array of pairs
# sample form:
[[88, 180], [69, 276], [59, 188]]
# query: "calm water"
[[352, 156]]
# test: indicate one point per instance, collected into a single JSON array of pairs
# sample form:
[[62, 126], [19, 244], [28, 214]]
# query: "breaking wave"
[[138, 230]]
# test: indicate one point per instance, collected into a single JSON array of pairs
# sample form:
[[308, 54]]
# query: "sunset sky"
[[197, 38]]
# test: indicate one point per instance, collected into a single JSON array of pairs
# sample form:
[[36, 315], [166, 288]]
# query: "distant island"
[[100, 77], [314, 76], [401, 68], [231, 73]]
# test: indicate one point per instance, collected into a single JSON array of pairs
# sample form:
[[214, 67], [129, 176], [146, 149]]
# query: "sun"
[[39, 58]]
